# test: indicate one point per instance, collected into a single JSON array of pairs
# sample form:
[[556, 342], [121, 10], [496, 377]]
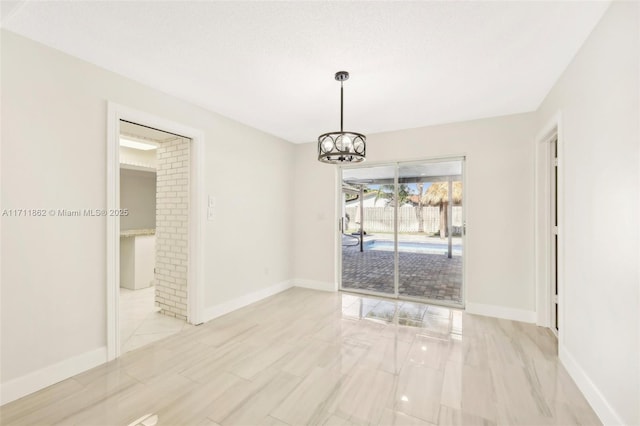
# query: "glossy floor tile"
[[308, 357], [140, 320]]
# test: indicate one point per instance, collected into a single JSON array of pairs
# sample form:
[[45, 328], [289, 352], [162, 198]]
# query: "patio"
[[422, 275]]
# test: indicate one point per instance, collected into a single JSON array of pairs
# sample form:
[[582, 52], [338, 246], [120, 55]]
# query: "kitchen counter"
[[137, 232]]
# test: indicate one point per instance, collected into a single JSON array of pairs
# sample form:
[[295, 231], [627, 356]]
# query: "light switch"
[[211, 204]]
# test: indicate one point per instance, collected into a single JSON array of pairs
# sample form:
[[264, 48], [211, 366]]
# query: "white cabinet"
[[137, 259]]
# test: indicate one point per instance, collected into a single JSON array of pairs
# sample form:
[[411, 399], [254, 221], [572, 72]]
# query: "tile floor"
[[307, 357], [140, 321]]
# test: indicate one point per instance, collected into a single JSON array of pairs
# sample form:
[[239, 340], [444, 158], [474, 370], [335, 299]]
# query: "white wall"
[[54, 269], [138, 195], [499, 202], [598, 99]]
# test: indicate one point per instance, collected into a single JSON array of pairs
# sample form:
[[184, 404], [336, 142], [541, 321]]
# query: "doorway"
[[178, 291], [402, 230], [549, 227], [553, 261], [153, 234]]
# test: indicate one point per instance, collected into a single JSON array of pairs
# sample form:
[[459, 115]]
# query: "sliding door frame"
[[396, 295]]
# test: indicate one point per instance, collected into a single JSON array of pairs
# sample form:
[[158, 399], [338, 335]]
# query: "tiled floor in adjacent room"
[[140, 321], [309, 357]]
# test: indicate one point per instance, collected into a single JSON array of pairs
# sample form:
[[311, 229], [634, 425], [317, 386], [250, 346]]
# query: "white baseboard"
[[598, 402], [315, 285], [501, 312], [40, 379], [242, 301]]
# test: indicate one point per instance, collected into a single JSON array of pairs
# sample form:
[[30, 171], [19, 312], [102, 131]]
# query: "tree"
[[438, 195], [420, 188], [386, 192]]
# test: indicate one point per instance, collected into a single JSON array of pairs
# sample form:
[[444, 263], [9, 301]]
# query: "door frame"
[[543, 224], [195, 284], [338, 241]]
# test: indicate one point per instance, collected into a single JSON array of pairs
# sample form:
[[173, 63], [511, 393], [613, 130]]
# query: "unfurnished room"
[[320, 213]]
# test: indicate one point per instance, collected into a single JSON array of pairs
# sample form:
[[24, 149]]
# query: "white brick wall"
[[172, 215]]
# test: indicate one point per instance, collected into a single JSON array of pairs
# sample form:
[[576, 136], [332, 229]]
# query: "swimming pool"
[[412, 247]]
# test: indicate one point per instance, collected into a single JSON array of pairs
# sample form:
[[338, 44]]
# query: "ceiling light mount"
[[342, 147], [342, 76]]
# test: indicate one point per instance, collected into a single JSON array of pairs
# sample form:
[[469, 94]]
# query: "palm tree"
[[420, 188], [438, 195]]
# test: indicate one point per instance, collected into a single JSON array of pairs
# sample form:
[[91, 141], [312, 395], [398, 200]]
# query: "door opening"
[[154, 205], [549, 227], [553, 192], [179, 218]]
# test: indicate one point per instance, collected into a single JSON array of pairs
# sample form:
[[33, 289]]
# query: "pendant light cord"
[[341, 104]]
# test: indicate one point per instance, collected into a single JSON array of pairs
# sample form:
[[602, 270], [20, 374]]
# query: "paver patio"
[[426, 276]]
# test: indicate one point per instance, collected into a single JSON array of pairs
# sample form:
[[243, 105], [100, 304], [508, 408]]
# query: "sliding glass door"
[[403, 229], [430, 231], [368, 219]]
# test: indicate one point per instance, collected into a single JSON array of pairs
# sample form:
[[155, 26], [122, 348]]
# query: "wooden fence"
[[380, 219]]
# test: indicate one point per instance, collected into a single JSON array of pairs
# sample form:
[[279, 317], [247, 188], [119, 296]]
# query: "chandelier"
[[341, 147]]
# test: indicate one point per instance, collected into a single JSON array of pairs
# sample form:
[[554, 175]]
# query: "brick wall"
[[172, 227]]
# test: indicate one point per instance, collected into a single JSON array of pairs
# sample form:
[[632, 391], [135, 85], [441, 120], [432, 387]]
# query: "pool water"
[[412, 247]]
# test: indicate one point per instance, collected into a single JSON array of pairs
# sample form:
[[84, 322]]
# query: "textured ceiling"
[[271, 64]]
